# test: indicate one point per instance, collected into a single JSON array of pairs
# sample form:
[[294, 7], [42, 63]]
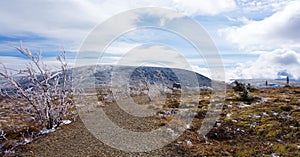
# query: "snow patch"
[[65, 122], [8, 152], [46, 131], [171, 132], [243, 105], [189, 143], [188, 126]]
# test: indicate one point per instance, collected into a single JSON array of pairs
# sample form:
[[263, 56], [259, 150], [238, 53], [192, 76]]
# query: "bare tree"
[[49, 93]]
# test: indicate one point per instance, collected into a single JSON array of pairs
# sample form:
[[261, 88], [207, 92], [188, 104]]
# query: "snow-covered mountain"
[[91, 76], [106, 74]]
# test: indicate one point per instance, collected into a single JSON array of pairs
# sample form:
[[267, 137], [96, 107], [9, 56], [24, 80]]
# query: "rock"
[[286, 108]]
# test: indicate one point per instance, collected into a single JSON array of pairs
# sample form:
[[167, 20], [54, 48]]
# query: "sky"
[[257, 39]]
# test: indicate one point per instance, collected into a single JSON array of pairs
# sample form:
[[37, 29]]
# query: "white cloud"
[[71, 20], [202, 71], [204, 7], [269, 65], [281, 30], [242, 19], [13, 62], [16, 63], [261, 5], [120, 48], [154, 54], [45, 18]]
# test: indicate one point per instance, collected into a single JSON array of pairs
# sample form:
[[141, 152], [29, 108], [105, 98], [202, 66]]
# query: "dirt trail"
[[75, 140]]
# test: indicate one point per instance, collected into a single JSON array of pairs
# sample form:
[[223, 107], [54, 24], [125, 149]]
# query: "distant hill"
[[103, 74], [261, 83]]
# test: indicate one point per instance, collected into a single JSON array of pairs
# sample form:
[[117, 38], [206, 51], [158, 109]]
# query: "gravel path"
[[75, 140]]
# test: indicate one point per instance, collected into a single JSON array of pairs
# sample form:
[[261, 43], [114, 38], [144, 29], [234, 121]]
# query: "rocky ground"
[[266, 126]]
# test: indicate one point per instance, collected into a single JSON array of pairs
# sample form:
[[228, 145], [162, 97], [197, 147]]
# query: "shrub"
[[244, 91], [238, 86], [47, 93]]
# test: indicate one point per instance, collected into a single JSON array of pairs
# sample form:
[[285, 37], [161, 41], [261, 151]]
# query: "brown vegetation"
[[270, 126]]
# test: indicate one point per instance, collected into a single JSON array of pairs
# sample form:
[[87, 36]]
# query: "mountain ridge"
[[103, 75]]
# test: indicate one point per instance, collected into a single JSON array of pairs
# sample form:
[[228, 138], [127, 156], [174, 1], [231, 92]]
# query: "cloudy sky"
[[255, 39]]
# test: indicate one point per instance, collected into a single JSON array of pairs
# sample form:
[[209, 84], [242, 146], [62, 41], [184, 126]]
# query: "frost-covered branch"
[[2, 135], [48, 93]]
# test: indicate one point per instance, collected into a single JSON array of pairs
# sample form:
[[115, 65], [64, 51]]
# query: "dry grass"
[[270, 126]]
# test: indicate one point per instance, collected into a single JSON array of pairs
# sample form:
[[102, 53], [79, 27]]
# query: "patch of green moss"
[[286, 148], [243, 153], [296, 113], [273, 133]]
